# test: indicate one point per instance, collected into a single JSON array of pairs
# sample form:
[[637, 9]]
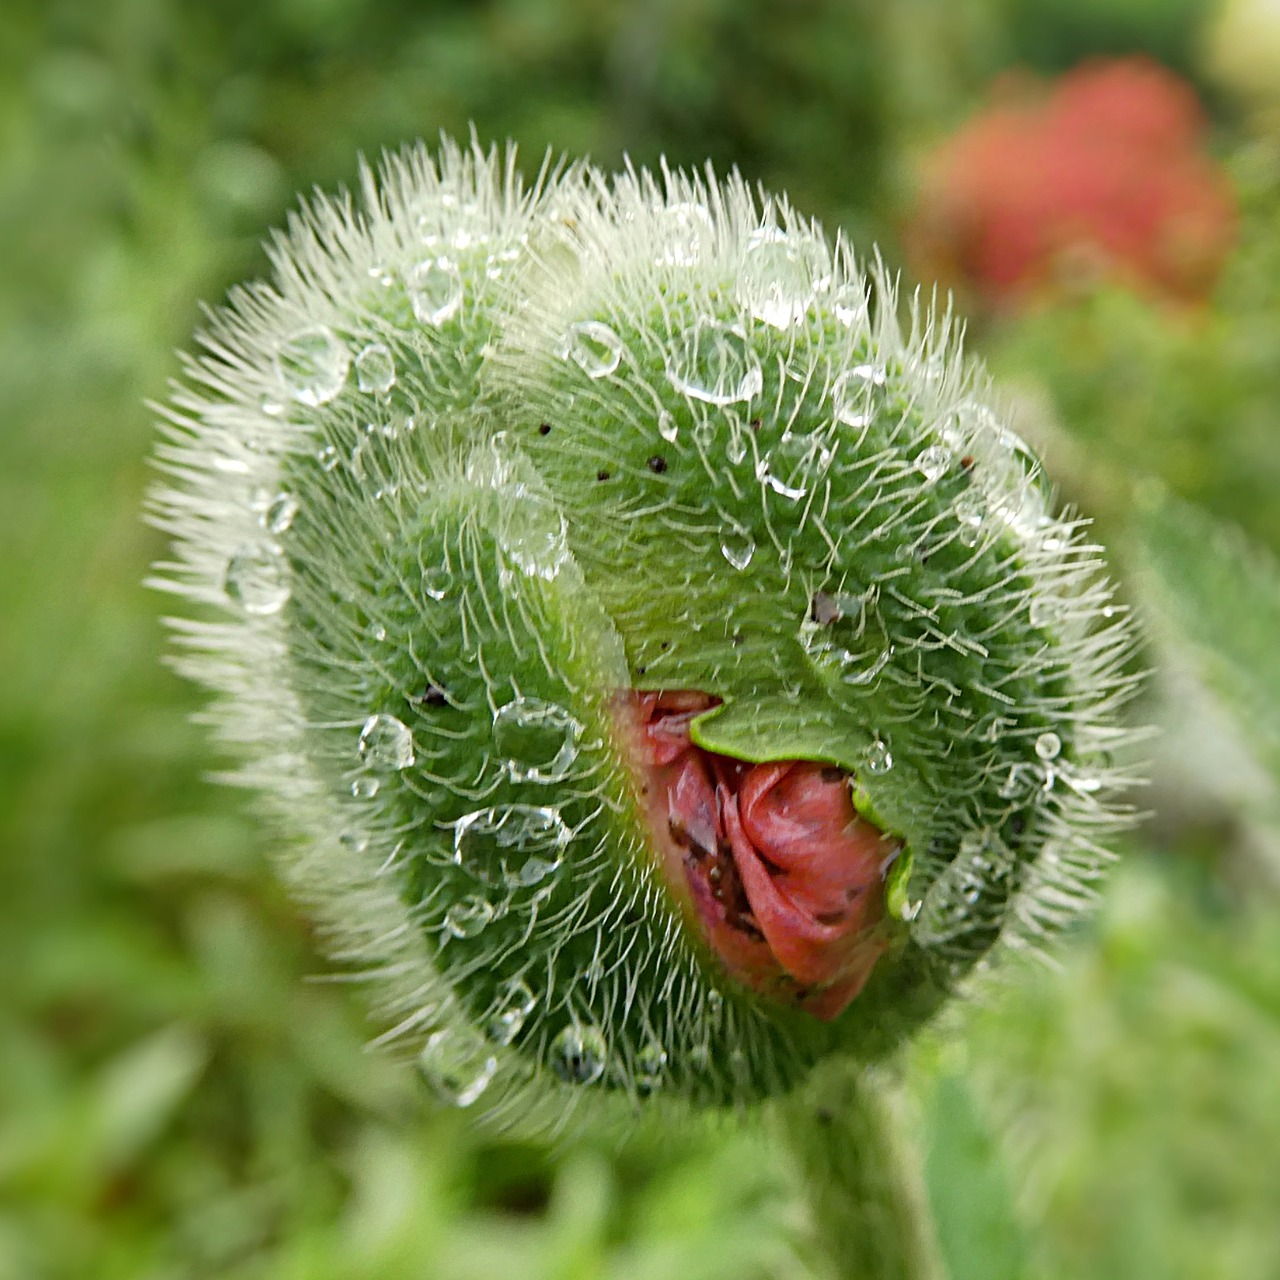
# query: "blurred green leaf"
[[1217, 597]]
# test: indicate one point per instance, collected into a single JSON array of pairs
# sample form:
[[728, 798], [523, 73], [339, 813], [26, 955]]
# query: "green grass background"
[[182, 1092]]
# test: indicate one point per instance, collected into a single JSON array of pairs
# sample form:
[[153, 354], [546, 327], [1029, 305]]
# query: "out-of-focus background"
[[181, 1093]]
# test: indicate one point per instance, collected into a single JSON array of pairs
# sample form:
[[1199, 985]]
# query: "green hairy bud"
[[670, 670]]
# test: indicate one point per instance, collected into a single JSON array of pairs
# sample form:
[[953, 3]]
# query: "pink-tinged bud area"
[[784, 879]]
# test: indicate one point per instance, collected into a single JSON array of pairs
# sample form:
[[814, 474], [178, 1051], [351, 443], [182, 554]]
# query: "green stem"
[[865, 1190]]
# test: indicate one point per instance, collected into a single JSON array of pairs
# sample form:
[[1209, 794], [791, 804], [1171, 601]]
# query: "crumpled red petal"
[[785, 879]]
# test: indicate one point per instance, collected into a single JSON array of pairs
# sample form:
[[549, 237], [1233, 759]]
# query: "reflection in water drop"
[[684, 233], [516, 845], [454, 1070], [780, 275], [737, 546], [364, 788], [854, 394], [578, 1054], [515, 1002], [593, 347], [257, 579], [879, 758], [538, 740], [849, 302], [312, 365], [385, 743], [712, 362], [279, 514], [436, 581], [375, 369], [468, 917], [934, 462], [435, 291]]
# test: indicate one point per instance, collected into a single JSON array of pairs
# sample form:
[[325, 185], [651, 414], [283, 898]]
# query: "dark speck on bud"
[[657, 464]]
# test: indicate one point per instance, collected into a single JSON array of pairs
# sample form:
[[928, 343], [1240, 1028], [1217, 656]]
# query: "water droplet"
[[538, 740], [1048, 745], [593, 347], [354, 841], [849, 301], [468, 917], [848, 637], [312, 365], [737, 546], [516, 845], [578, 1054], [1013, 475], [257, 579], [328, 458], [364, 788], [651, 1068], [713, 363], [780, 275], [853, 394], [375, 369], [435, 291], [436, 581], [934, 462], [535, 539], [667, 427], [454, 1070], [879, 758], [684, 232], [385, 743], [279, 514], [515, 1002], [792, 463], [971, 511]]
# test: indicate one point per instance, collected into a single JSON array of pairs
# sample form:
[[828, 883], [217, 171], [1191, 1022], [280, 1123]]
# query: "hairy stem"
[[864, 1186]]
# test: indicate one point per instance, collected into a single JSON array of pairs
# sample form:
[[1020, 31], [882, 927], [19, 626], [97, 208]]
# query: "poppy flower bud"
[[671, 669]]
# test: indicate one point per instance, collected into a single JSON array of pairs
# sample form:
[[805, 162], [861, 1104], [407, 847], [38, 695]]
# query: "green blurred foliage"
[[179, 1097]]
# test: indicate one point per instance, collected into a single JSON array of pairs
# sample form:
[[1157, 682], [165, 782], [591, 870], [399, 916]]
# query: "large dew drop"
[[435, 291], [375, 369], [593, 347], [514, 1003], [535, 539], [713, 363], [385, 743], [737, 546], [257, 579], [934, 462], [578, 1054], [312, 365], [538, 740], [454, 1070], [516, 845], [685, 232], [853, 394], [468, 917], [780, 276], [279, 514]]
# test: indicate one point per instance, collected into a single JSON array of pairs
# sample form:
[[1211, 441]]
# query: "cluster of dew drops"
[[781, 276]]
